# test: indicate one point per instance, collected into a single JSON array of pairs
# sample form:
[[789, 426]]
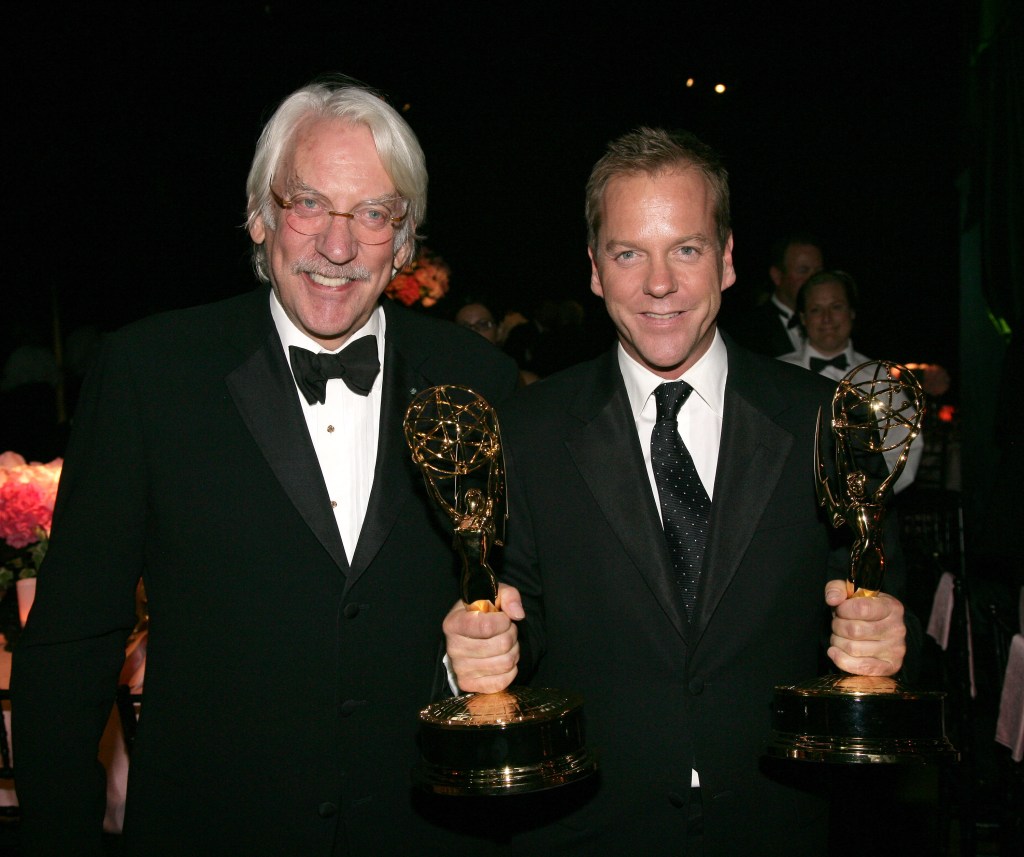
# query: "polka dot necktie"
[[685, 505]]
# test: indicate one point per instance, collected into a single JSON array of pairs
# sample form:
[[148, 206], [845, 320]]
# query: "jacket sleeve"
[[68, 658]]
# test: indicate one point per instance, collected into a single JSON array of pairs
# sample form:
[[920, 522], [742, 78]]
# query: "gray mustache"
[[352, 272]]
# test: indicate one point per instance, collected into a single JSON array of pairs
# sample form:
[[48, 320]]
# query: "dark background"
[[130, 129]]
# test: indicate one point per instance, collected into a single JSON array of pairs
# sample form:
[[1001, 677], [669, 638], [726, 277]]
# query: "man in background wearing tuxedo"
[[773, 328]]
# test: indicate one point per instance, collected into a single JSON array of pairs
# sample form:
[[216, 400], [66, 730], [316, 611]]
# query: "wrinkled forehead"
[[323, 147]]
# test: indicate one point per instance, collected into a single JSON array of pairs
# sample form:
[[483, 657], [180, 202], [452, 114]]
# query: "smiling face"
[[827, 317], [657, 265], [328, 284]]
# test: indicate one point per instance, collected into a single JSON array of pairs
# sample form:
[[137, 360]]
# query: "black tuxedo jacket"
[[283, 677], [664, 696]]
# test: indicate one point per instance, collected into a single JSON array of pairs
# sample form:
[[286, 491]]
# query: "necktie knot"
[[819, 363], [670, 398], [356, 364]]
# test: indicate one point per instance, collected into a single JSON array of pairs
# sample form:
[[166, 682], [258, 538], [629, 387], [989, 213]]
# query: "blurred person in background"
[[826, 307]]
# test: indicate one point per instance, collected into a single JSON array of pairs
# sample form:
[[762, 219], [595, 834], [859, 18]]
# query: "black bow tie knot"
[[356, 364], [819, 363]]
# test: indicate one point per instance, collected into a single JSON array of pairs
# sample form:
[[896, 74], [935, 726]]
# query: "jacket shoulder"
[[244, 315], [789, 395]]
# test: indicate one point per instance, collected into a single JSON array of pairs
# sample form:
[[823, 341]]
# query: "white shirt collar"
[[707, 377], [782, 308]]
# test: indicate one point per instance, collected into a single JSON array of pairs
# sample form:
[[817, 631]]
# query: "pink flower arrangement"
[[27, 494], [423, 281]]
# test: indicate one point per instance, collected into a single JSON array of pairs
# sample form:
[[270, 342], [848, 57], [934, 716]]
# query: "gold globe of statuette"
[[520, 739], [877, 407]]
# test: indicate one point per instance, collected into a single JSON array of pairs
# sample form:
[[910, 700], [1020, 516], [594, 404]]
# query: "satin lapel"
[[750, 461], [394, 472], [607, 452], [264, 393]]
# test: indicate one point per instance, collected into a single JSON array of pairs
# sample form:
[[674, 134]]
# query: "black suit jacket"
[[283, 678], [664, 696]]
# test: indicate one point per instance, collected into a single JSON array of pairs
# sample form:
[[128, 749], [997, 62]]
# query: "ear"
[[775, 272], [728, 271], [258, 230], [595, 276], [403, 256]]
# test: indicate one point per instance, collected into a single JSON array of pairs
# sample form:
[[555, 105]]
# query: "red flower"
[[424, 280], [405, 289]]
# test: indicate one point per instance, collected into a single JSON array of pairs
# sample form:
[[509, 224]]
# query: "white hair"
[[397, 146]]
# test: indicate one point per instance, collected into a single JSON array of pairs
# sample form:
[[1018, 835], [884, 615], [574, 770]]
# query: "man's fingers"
[[474, 623], [486, 675], [862, 665], [835, 592], [510, 602]]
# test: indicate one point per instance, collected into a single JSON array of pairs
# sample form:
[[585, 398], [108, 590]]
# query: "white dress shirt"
[[344, 429], [802, 357]]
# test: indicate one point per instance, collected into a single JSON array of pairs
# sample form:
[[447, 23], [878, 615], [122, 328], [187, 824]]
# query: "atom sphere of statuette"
[[451, 430], [878, 406]]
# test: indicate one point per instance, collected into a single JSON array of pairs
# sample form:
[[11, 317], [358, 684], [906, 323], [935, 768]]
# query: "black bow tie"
[[819, 363], [356, 364]]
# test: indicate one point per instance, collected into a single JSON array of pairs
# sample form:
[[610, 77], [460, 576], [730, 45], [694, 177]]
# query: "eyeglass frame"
[[287, 204]]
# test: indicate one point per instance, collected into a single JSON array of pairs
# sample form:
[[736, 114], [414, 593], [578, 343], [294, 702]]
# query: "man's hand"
[[868, 634], [483, 648]]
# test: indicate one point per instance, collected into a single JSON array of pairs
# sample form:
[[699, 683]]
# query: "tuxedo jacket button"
[[696, 686], [327, 809], [676, 800], [351, 611], [349, 706]]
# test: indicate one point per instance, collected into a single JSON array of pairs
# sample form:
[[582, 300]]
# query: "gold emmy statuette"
[[520, 739], [877, 408]]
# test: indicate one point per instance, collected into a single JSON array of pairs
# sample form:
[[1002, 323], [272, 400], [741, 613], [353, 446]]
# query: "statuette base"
[[859, 720], [516, 741]]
